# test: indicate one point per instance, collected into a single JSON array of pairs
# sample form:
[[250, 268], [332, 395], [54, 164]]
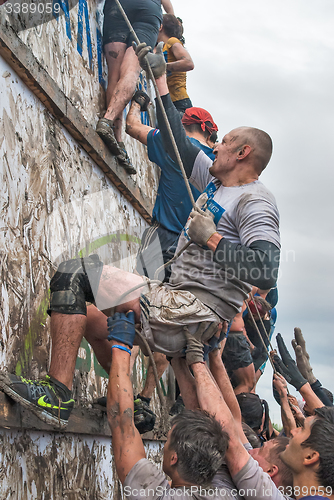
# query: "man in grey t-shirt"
[[195, 447]]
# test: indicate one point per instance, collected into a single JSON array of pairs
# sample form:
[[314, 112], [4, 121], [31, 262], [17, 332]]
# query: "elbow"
[[130, 129], [190, 65], [267, 280]]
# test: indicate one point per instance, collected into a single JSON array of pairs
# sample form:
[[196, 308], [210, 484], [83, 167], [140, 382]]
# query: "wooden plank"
[[82, 420], [29, 69]]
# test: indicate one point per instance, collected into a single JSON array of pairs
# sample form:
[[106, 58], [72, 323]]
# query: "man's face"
[[166, 464], [294, 453], [262, 455], [226, 155]]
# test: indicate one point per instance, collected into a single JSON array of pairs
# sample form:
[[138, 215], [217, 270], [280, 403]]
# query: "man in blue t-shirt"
[[172, 206]]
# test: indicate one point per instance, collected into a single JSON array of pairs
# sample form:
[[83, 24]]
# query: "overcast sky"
[[269, 64]]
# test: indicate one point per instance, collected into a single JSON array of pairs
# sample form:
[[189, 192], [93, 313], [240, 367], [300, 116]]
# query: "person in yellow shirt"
[[178, 61]]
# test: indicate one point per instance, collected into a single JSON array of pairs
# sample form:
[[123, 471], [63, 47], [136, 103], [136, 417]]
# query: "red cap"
[[201, 116]]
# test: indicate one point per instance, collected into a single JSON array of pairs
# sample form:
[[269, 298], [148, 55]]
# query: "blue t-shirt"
[[208, 151], [172, 205]]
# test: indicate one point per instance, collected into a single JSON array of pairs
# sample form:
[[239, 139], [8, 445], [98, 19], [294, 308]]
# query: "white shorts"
[[164, 313]]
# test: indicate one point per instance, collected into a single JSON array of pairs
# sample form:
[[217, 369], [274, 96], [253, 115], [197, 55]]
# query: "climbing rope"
[[259, 333]]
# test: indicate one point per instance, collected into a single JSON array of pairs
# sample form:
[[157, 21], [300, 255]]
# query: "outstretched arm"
[[168, 7], [212, 401], [188, 151], [288, 420], [219, 373], [186, 383], [305, 368], [134, 127], [127, 444]]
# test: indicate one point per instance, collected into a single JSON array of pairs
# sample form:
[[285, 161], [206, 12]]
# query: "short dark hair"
[[200, 444], [172, 26], [321, 439], [251, 436], [196, 127], [285, 471], [251, 409]]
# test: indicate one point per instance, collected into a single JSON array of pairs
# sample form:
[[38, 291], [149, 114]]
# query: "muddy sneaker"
[[48, 399], [124, 160], [177, 407], [144, 418], [105, 129]]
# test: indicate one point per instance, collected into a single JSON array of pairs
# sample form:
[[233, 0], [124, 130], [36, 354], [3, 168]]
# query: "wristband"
[[121, 347]]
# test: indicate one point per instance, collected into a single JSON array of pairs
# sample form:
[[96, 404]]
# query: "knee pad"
[[75, 283]]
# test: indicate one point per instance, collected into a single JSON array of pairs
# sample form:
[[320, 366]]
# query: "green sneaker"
[[48, 399]]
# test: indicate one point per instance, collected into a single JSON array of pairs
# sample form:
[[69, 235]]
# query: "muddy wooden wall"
[[62, 195], [65, 467]]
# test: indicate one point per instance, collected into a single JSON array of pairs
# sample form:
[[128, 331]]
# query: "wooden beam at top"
[[24, 63]]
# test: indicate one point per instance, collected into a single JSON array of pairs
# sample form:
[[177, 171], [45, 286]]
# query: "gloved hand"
[[141, 98], [201, 201], [156, 61], [144, 418], [121, 328], [195, 347], [201, 227], [280, 367], [302, 356], [296, 378]]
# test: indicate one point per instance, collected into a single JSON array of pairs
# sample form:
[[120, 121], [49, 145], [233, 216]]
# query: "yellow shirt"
[[176, 81]]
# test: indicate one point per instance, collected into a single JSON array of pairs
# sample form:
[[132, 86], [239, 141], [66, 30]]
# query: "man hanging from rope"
[[210, 280], [172, 205]]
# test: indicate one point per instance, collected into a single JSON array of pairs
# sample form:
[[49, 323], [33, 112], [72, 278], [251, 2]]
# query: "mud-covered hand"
[[195, 347], [302, 356], [121, 327], [280, 385], [296, 378], [156, 61], [201, 227], [141, 98]]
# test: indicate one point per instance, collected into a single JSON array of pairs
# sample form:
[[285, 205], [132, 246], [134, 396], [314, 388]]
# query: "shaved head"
[[258, 140]]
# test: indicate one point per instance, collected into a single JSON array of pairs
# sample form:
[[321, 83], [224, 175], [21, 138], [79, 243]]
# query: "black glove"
[[276, 395], [144, 418], [141, 98], [121, 328], [288, 365]]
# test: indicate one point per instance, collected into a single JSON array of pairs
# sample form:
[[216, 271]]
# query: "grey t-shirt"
[[145, 480], [250, 215], [252, 483]]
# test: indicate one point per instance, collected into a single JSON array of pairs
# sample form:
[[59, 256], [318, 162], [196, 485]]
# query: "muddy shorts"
[[144, 15], [236, 353], [157, 247], [164, 313]]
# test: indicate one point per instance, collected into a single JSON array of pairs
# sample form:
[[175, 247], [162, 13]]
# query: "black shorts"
[[236, 353], [144, 15], [158, 246]]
